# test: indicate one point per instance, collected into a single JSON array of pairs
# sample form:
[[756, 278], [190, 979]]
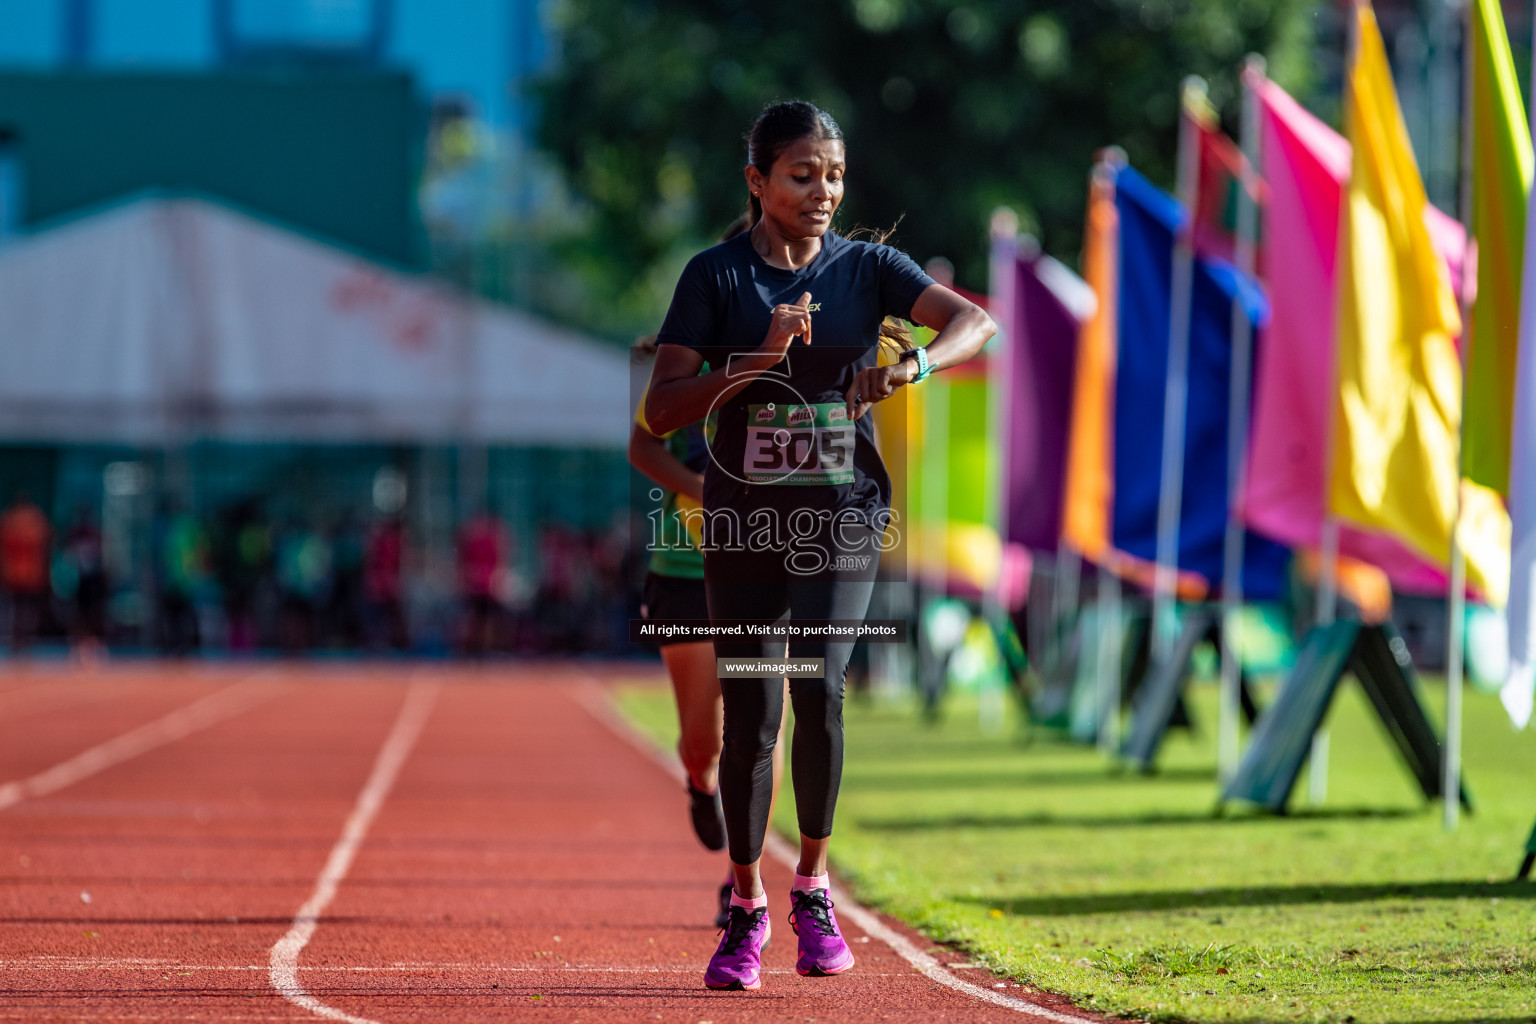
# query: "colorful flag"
[[1520, 688], [1114, 463], [1517, 693], [1220, 167], [1149, 222], [1305, 165], [1397, 406], [1501, 182], [938, 441], [1047, 305], [1090, 485]]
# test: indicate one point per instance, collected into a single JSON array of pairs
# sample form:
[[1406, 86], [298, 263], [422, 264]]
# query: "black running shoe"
[[708, 819], [723, 914]]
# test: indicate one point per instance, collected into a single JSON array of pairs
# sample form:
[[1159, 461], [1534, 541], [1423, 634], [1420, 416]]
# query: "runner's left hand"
[[876, 383]]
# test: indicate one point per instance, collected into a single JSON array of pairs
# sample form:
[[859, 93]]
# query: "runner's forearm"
[[649, 454], [672, 404], [961, 338]]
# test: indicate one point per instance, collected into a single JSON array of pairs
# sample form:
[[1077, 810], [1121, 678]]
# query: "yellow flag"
[[1397, 411]]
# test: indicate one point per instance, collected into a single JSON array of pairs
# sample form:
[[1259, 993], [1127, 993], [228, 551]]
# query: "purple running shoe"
[[822, 949], [738, 962], [822, 946]]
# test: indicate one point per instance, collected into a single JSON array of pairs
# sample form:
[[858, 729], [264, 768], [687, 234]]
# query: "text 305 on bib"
[[796, 444]]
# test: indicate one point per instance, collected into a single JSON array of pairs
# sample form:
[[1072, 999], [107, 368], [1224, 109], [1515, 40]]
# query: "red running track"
[[384, 844]]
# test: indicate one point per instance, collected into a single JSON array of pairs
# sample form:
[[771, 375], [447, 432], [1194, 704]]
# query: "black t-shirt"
[[723, 307]]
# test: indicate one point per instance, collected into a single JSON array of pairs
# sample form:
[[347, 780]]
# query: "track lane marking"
[[594, 697], [283, 964], [177, 725]]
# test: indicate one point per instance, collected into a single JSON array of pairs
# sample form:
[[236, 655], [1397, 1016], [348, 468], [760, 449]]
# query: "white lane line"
[[284, 962], [593, 696], [931, 969], [177, 725]]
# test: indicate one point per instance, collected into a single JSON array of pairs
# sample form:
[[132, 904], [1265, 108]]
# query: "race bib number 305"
[[799, 444]]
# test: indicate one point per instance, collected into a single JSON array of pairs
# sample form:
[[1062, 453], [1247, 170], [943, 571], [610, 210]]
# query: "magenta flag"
[[1305, 166]]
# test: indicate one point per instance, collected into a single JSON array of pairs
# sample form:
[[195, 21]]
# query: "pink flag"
[[1306, 164]]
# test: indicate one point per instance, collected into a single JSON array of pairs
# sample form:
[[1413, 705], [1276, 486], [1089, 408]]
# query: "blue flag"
[[1149, 220]]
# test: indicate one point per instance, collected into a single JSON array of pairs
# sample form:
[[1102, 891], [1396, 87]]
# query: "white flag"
[[1520, 687]]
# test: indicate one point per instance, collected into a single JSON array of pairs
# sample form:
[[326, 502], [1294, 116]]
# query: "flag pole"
[[1109, 650], [1069, 573], [1004, 232], [1456, 603], [1328, 547], [1176, 389], [1327, 609], [1239, 384]]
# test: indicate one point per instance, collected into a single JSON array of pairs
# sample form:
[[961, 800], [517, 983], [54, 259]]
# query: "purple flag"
[[1040, 306]]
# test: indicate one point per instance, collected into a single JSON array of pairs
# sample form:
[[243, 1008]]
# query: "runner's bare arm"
[[679, 396], [649, 454], [963, 328]]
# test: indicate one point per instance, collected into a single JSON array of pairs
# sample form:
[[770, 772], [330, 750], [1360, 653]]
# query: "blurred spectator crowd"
[[240, 582]]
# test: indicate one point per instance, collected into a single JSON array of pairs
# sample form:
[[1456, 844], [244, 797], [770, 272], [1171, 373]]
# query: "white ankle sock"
[[805, 883], [738, 900]]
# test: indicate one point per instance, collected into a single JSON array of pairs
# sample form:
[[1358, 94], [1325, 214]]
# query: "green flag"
[[1501, 181]]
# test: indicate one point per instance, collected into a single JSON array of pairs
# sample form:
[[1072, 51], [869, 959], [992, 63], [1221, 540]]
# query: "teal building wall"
[[334, 155]]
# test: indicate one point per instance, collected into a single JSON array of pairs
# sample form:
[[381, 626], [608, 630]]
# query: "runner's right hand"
[[789, 321]]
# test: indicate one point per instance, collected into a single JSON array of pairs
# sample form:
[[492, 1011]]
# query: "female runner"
[[795, 496], [674, 589]]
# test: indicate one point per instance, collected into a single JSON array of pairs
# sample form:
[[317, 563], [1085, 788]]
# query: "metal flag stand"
[[1456, 603]]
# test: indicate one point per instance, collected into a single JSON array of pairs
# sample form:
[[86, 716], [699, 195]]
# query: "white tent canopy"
[[166, 320]]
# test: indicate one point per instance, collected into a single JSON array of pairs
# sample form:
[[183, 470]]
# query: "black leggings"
[[757, 585]]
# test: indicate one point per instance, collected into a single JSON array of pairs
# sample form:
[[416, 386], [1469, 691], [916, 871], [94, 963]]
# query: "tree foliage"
[[950, 108]]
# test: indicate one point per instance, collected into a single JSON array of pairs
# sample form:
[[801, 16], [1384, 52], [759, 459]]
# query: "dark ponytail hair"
[[743, 223], [779, 126]]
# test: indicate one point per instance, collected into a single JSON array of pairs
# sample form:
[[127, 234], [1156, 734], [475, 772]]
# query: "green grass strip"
[[1127, 894]]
